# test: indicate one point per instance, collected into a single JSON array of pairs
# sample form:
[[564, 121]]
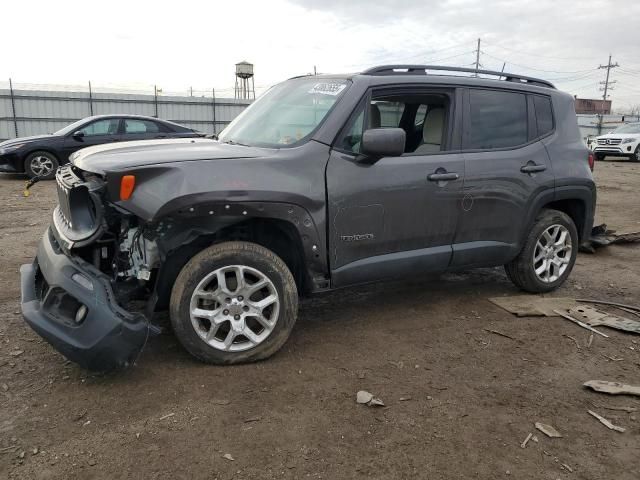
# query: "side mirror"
[[383, 142], [79, 134]]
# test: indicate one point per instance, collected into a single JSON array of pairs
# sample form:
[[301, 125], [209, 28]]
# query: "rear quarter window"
[[496, 120], [544, 115]]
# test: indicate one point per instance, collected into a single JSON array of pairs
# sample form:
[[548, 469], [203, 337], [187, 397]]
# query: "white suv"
[[624, 141]]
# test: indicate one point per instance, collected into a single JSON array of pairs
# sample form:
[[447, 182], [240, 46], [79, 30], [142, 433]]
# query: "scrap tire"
[[222, 255], [521, 269]]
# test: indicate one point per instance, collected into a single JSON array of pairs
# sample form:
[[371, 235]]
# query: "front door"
[[505, 167], [98, 132], [396, 216]]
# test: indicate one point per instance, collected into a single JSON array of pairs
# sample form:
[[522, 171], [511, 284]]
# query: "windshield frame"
[[633, 125], [223, 136]]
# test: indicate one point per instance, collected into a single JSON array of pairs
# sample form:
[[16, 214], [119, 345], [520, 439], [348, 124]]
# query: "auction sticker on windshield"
[[328, 88]]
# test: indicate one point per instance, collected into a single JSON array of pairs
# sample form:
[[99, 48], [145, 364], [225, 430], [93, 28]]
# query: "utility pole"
[[478, 58], [606, 88]]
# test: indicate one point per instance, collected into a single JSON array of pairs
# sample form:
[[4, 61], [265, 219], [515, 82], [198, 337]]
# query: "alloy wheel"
[[552, 253], [234, 308], [41, 166]]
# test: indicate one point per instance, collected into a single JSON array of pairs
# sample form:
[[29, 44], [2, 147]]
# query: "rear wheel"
[[548, 254], [234, 302], [41, 164]]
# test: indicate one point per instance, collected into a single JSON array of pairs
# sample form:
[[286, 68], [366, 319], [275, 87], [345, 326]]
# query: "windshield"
[[628, 128], [71, 128], [285, 115]]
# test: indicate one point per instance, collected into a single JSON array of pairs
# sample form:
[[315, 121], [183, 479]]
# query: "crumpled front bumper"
[[102, 336]]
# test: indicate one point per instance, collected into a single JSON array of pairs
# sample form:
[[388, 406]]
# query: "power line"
[[533, 68], [522, 52]]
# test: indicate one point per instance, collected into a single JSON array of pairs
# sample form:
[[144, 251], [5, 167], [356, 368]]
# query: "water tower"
[[244, 74]]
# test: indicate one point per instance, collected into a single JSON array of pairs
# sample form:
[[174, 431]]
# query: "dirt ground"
[[459, 399]]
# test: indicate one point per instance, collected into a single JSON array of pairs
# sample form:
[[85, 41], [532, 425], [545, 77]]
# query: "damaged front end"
[[91, 262]]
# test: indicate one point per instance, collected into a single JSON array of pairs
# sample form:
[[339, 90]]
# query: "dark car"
[[322, 183], [41, 155]]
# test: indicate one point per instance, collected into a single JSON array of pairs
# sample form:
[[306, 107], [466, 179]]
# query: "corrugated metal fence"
[[592, 125], [25, 112]]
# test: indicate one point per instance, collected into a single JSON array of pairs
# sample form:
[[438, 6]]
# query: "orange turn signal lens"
[[127, 184]]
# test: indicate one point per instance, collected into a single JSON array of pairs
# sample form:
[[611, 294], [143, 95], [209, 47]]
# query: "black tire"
[[599, 156], [223, 255], [31, 168], [521, 269], [636, 154]]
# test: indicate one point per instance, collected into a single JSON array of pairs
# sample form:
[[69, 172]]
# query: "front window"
[[629, 128], [101, 127], [287, 114]]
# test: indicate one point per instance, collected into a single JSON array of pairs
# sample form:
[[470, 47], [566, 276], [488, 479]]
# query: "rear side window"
[[140, 126], [497, 119], [544, 115]]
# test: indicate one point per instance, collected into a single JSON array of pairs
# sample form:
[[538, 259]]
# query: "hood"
[[125, 155], [15, 141], [619, 135]]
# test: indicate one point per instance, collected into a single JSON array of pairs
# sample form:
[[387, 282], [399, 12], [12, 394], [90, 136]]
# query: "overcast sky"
[[178, 45]]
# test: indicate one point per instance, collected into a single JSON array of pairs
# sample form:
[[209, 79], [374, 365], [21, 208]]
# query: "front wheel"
[[548, 254], [636, 154], [41, 164], [234, 302]]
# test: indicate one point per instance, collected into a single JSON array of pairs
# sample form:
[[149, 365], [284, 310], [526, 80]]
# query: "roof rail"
[[422, 70]]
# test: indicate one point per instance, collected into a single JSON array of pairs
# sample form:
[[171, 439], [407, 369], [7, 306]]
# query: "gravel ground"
[[459, 399]]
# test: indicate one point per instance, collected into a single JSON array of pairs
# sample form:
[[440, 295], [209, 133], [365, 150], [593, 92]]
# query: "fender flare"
[[583, 193]]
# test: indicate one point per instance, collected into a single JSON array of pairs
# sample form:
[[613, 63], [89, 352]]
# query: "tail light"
[[591, 160], [127, 184]]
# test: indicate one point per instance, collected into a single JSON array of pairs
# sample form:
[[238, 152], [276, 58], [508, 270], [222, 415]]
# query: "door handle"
[[533, 168], [442, 177], [161, 136]]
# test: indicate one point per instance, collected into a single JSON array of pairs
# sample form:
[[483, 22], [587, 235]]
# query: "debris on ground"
[[606, 422], [164, 417], [632, 309], [601, 236], [578, 322], [367, 398], [533, 305], [574, 340], [228, 457], [496, 332], [596, 318], [567, 467], [613, 407], [613, 388], [526, 440], [16, 353], [548, 430]]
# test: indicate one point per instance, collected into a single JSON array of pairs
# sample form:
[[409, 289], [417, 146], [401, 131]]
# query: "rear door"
[[101, 131], [506, 166], [393, 217]]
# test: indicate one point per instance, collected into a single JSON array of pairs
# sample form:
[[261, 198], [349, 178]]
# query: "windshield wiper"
[[233, 142]]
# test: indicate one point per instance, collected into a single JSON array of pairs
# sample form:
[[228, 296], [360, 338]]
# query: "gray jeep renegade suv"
[[323, 182]]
